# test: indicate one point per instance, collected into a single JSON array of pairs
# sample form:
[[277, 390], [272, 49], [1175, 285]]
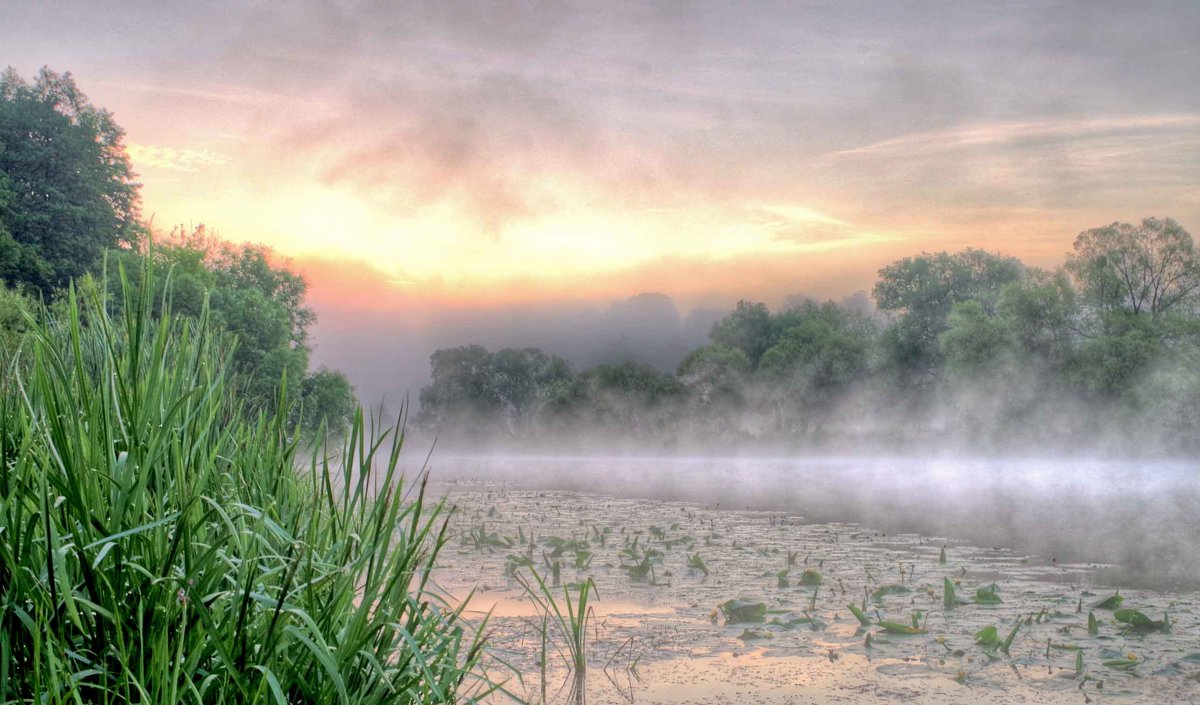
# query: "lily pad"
[[858, 614], [898, 628], [743, 611], [755, 634], [987, 596], [1138, 621], [884, 590]]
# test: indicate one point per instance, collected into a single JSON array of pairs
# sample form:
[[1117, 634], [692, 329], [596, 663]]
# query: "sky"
[[452, 170]]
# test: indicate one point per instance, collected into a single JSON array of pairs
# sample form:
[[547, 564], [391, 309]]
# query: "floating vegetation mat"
[[699, 604]]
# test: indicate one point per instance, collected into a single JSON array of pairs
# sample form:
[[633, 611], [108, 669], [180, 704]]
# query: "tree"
[[748, 328], [260, 300], [631, 399], [816, 361], [1041, 310], [715, 376], [919, 293], [974, 342], [67, 190], [1149, 269], [481, 392], [326, 397]]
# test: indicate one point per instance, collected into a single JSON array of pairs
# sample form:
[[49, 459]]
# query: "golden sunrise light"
[[571, 151], [599, 352]]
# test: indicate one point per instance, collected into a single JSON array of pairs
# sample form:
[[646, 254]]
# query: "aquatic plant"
[[987, 595], [892, 589], [159, 544], [1138, 621], [988, 636], [1011, 636], [810, 578], [906, 629], [570, 615], [1111, 602], [950, 598], [742, 611]]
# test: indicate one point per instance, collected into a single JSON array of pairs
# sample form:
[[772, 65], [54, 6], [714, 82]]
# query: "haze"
[[434, 165]]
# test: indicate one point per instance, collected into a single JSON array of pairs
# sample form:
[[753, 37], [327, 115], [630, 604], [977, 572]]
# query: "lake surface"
[[1054, 537]]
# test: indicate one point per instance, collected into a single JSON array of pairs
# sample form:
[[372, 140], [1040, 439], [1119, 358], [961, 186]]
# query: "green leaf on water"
[[1140, 622], [950, 598], [1122, 664], [942, 556], [755, 634], [1011, 635], [858, 614], [987, 596], [810, 578], [743, 611], [897, 628], [1111, 602], [885, 590], [1093, 625], [988, 636]]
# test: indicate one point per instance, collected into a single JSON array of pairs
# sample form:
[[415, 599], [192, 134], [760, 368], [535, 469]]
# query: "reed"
[[160, 545]]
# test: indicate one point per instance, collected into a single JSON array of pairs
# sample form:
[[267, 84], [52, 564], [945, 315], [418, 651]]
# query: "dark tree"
[[920, 292], [67, 191]]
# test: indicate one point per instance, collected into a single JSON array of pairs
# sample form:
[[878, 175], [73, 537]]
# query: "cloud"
[[174, 158], [1134, 128]]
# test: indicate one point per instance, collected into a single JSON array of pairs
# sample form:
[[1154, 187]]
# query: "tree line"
[[972, 348], [70, 209]]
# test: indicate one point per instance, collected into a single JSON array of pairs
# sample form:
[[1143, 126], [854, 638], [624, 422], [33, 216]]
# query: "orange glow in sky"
[[712, 152]]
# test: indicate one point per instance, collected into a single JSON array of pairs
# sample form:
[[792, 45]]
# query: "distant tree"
[[1111, 366], [630, 399], [67, 190], [822, 354], [715, 377], [973, 341], [919, 293], [1149, 268], [478, 391], [1041, 309], [748, 328]]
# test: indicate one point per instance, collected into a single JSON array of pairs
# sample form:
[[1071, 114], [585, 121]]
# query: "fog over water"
[[1141, 517]]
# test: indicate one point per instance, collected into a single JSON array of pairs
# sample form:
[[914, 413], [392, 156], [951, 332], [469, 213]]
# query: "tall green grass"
[[158, 546]]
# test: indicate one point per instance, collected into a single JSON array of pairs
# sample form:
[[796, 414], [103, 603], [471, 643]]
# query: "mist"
[[1135, 521]]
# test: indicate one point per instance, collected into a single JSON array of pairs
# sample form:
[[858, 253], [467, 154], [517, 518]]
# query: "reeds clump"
[[158, 545]]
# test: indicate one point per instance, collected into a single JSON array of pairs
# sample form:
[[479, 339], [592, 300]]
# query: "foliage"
[[67, 190], [975, 344], [921, 291], [158, 546], [715, 376], [15, 310], [485, 392], [246, 292], [1149, 268], [747, 328]]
